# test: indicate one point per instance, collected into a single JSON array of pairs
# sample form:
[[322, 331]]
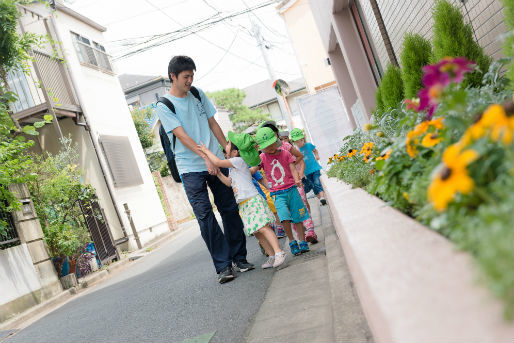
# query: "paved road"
[[171, 295]]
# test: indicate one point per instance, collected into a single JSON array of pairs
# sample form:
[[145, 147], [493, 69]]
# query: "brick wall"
[[402, 16]]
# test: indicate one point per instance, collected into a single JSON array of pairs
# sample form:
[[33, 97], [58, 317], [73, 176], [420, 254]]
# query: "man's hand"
[[211, 168]]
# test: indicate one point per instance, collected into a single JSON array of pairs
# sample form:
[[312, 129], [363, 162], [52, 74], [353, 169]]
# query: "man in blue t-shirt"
[[312, 167], [192, 124]]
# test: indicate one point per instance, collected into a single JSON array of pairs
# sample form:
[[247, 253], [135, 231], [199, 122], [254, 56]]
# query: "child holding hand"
[[253, 209], [280, 170]]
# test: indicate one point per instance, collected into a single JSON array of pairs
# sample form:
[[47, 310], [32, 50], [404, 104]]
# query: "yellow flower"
[[368, 127], [380, 134], [494, 121], [430, 140], [384, 156], [452, 178], [437, 123], [366, 148], [367, 158], [406, 196], [411, 148], [351, 153]]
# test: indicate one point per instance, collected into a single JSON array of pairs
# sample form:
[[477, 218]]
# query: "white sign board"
[[326, 122]]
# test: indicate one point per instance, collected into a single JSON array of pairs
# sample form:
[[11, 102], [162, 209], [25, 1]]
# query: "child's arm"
[[264, 183], [225, 179], [299, 161], [316, 155], [215, 159], [254, 170], [296, 177]]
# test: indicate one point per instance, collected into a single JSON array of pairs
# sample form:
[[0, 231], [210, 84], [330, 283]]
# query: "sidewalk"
[[26, 318], [312, 299]]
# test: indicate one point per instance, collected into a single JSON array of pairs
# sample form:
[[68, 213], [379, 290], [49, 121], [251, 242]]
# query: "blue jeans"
[[223, 247], [312, 181]]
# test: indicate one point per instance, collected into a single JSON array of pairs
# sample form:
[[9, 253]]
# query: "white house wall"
[[103, 101], [18, 275]]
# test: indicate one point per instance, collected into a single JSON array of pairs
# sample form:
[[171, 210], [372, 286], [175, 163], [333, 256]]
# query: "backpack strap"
[[196, 93], [171, 107], [166, 102]]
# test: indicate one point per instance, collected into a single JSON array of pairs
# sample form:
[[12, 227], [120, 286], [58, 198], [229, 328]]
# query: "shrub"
[[508, 45], [416, 53], [378, 100], [452, 37], [391, 88]]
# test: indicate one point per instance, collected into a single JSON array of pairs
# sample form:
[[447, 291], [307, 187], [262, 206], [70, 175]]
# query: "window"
[[90, 52]]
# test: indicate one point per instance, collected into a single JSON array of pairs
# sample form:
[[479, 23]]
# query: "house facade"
[[73, 79], [307, 44], [362, 37]]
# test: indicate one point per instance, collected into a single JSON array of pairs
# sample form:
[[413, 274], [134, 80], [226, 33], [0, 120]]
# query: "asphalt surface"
[[170, 295]]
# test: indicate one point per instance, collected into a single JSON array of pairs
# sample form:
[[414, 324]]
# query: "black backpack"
[[165, 141]]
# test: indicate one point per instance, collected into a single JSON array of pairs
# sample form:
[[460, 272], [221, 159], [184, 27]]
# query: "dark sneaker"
[[295, 249], [304, 247], [323, 201], [226, 275], [243, 266]]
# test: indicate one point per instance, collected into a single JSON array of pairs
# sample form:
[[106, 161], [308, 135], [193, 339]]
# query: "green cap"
[[246, 146], [297, 134], [265, 137]]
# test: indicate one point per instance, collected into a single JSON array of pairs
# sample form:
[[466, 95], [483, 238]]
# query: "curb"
[[27, 317]]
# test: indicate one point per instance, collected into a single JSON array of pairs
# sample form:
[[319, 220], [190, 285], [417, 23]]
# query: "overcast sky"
[[226, 54]]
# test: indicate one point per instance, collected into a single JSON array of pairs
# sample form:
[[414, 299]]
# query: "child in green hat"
[[312, 167], [253, 209], [280, 170]]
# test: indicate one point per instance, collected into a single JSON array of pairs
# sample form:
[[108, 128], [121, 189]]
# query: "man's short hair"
[[180, 63]]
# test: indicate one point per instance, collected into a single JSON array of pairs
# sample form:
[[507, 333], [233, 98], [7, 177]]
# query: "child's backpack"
[[165, 141]]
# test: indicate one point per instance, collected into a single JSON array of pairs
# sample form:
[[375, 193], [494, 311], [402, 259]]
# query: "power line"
[[263, 24], [222, 57], [189, 28]]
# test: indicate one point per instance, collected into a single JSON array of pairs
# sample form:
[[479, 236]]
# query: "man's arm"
[[215, 159], [218, 133], [191, 145]]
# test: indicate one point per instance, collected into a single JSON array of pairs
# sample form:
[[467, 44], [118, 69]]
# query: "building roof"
[[130, 82], [59, 5], [262, 93]]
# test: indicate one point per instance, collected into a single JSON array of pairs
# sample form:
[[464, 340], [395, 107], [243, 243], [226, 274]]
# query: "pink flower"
[[412, 104], [455, 67], [429, 98]]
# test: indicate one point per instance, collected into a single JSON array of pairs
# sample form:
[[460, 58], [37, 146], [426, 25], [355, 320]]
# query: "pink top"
[[277, 170]]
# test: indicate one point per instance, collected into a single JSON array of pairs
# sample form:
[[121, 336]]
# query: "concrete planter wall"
[[414, 285]]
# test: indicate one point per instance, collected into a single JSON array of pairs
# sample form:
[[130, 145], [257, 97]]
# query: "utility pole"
[[256, 31]]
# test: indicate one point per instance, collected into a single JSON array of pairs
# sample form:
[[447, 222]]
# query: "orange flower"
[[384, 156], [430, 140]]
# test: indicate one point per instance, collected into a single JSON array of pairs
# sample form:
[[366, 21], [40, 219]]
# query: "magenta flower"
[[412, 104], [437, 77]]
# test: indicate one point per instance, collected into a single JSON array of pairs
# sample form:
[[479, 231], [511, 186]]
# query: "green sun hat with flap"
[[265, 137], [296, 134], [246, 146]]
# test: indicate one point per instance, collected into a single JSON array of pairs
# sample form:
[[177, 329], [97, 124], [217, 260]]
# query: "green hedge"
[[416, 53], [452, 37], [391, 87]]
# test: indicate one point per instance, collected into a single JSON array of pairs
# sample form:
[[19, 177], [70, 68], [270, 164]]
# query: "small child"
[[280, 170], [312, 167], [253, 209]]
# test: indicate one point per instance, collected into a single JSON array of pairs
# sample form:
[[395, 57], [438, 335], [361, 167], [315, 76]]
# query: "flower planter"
[[413, 284]]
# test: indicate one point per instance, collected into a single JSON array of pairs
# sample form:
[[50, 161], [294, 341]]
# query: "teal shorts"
[[289, 205]]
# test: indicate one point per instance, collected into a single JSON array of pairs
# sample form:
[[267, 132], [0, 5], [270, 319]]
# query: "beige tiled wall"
[[402, 16]]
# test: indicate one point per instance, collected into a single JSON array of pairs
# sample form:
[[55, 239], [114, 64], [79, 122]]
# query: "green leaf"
[[39, 124], [20, 138], [48, 117], [30, 130], [379, 165]]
